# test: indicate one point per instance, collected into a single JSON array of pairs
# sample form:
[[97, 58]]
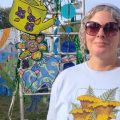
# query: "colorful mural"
[[40, 61], [8, 58]]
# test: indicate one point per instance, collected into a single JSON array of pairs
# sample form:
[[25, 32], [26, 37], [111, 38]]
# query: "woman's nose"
[[101, 33]]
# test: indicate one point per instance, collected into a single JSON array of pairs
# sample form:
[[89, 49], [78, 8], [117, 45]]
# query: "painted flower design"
[[31, 48], [31, 18], [20, 13], [29, 26]]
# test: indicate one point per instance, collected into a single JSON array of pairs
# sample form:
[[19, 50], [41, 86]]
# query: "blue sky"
[[89, 3], [6, 3]]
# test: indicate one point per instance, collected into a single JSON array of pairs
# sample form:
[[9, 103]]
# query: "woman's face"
[[101, 44]]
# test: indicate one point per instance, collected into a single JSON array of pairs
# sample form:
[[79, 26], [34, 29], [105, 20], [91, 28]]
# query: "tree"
[[4, 18]]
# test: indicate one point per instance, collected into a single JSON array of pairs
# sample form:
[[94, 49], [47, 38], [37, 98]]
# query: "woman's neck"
[[103, 64]]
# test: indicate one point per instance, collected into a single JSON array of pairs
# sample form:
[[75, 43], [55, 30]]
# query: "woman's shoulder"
[[68, 75], [74, 68], [70, 72]]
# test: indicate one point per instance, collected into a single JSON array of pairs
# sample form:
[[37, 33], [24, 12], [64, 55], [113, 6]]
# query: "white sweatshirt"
[[74, 82]]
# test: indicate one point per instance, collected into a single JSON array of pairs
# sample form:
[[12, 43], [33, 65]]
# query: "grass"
[[5, 103]]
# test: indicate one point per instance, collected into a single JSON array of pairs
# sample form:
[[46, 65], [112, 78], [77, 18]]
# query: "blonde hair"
[[115, 12]]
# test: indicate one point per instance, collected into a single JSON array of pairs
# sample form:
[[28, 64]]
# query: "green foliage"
[[75, 106], [115, 110], [90, 91], [4, 75], [109, 95], [93, 115], [10, 67], [5, 104], [78, 53], [4, 18], [8, 71]]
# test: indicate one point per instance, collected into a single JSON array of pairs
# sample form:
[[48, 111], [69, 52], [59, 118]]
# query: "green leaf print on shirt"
[[109, 95]]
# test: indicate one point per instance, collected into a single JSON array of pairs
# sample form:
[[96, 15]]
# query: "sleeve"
[[118, 116], [60, 98], [52, 112]]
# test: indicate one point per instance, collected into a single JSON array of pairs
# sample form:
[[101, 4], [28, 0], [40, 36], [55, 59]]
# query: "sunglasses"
[[110, 28]]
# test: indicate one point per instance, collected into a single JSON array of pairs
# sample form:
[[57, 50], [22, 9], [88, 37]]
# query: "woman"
[[96, 81]]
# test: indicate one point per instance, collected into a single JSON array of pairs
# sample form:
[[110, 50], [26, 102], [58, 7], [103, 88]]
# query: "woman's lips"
[[101, 43]]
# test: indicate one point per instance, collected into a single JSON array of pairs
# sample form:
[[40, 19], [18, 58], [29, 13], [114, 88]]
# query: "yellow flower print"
[[81, 114]]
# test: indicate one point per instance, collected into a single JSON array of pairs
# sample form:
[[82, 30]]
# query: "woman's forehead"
[[102, 16]]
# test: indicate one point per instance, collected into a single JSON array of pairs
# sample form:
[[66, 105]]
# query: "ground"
[[5, 103]]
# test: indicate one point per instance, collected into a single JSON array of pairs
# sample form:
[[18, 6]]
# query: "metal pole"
[[83, 2], [20, 90], [21, 102]]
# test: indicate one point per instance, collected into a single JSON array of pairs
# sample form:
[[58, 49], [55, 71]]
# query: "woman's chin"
[[101, 52]]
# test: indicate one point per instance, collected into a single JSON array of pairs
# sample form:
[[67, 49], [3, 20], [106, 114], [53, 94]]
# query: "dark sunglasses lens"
[[111, 28], [92, 28]]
